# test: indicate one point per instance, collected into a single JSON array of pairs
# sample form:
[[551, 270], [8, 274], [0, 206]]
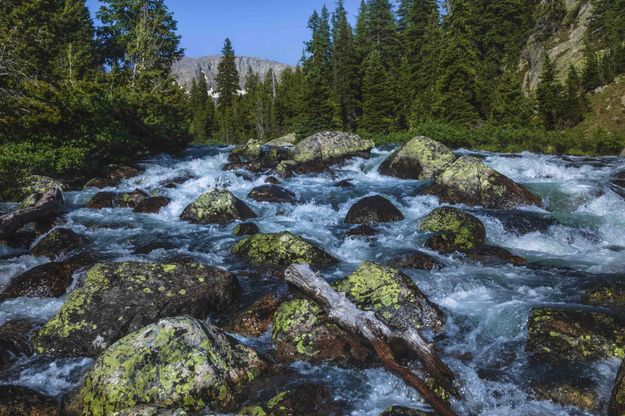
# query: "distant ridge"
[[187, 69]]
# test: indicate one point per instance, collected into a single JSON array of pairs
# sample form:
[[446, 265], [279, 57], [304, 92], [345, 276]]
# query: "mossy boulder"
[[272, 193], [616, 407], [282, 249], [456, 230], [152, 205], [217, 207], [33, 187], [301, 400], [300, 333], [420, 158], [330, 146], [250, 150], [373, 209], [286, 140], [256, 319], [560, 336], [15, 341], [417, 260], [177, 363], [116, 199], [392, 295], [58, 243], [118, 298], [23, 401], [608, 295], [469, 181]]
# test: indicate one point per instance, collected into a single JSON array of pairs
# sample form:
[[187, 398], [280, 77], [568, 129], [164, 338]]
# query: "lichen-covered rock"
[[15, 341], [286, 140], [328, 146], [581, 393], [118, 298], [302, 400], [272, 193], [58, 242], [392, 295], [49, 280], [149, 410], [616, 407], [373, 209], [608, 295], [256, 319], [415, 260], [300, 333], [250, 150], [420, 158], [116, 199], [152, 205], [469, 181], [282, 249], [177, 363], [560, 336], [38, 185], [404, 411], [217, 207], [22, 401], [456, 230], [246, 228]]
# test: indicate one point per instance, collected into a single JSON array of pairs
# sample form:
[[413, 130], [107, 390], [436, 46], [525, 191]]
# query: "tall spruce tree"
[[345, 69], [573, 100], [549, 95], [591, 75], [378, 101], [227, 76], [289, 107], [202, 109]]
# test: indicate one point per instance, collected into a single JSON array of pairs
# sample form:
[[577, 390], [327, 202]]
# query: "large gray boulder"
[[329, 146], [420, 158], [217, 207]]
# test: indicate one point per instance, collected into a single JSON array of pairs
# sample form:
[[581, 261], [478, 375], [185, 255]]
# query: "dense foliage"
[[75, 98]]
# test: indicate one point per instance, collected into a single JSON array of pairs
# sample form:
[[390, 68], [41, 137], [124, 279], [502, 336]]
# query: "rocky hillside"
[[188, 68]]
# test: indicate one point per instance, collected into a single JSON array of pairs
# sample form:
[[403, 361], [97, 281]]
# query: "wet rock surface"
[[256, 319], [373, 209], [272, 193], [152, 205], [22, 401], [217, 207], [304, 399], [15, 341], [58, 242], [415, 260], [420, 158], [330, 146], [116, 199], [246, 228]]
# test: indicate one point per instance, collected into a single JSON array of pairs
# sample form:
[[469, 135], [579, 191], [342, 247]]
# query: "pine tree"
[[381, 29], [574, 101], [77, 55], [508, 103], [378, 108], [591, 75], [227, 76], [361, 50], [202, 110], [549, 95], [289, 106], [345, 70]]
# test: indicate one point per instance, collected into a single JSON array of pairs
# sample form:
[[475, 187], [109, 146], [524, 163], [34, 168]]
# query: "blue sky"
[[273, 29]]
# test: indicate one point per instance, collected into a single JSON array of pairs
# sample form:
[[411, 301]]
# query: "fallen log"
[[342, 312], [50, 205]]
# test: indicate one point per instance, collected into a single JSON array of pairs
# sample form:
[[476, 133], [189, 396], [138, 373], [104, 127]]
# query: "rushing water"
[[487, 306]]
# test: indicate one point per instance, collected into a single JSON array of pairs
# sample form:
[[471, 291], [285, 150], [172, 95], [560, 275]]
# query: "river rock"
[[246, 228], [91, 319], [300, 333], [373, 209], [560, 336], [330, 146], [174, 363], [217, 207], [49, 280], [415, 260], [15, 341], [363, 230], [404, 411], [256, 319], [616, 407], [148, 410], [456, 230], [420, 158], [301, 400], [116, 199], [272, 193], [282, 249], [58, 243], [607, 295], [520, 222], [580, 392], [250, 150], [469, 181], [152, 205], [38, 185], [286, 140], [393, 297], [272, 180], [23, 401], [113, 178], [491, 255]]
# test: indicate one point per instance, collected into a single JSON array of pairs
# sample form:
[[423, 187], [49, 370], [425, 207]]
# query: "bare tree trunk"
[[345, 314], [50, 205]]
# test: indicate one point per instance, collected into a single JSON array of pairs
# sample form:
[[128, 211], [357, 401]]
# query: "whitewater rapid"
[[487, 306]]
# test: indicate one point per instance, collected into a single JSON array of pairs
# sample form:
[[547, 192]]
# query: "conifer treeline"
[[401, 66]]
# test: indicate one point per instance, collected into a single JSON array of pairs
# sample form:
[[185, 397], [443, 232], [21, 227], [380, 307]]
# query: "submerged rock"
[[175, 363], [282, 249], [152, 205], [301, 333], [272, 193], [404, 411], [415, 260], [217, 207], [272, 180], [116, 200], [148, 410], [303, 400], [560, 336], [373, 209], [469, 181], [363, 230], [58, 242], [91, 319], [456, 230], [246, 228], [329, 146], [608, 295], [256, 319], [581, 393], [15, 342], [420, 158], [23, 401], [392, 295]]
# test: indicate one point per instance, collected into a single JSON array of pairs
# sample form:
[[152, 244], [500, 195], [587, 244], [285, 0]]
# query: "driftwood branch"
[[345, 314], [49, 205]]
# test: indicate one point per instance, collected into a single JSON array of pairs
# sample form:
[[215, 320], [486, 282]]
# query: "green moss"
[[459, 230], [296, 320], [432, 156]]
